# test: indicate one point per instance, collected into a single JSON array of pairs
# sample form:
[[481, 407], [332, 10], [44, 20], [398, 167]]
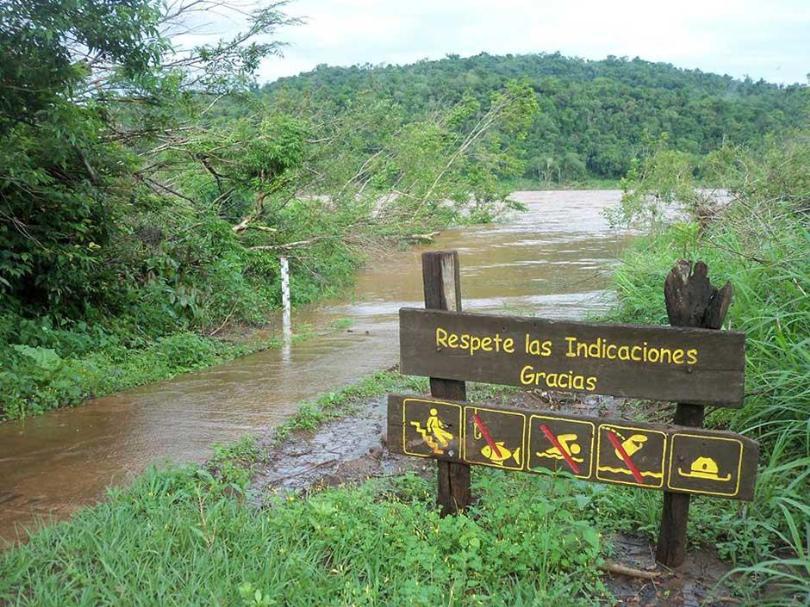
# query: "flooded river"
[[553, 261]]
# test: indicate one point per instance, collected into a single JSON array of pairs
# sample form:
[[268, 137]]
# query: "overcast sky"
[[761, 38]]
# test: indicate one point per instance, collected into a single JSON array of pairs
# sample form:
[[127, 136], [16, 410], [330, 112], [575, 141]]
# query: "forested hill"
[[595, 116]]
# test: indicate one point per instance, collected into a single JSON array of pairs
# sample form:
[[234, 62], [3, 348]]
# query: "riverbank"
[[39, 379], [252, 508], [51, 362], [48, 365], [555, 259], [231, 531], [241, 500]]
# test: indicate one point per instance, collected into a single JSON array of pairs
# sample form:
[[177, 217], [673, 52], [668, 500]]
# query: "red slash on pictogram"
[[617, 444], [554, 441], [487, 436]]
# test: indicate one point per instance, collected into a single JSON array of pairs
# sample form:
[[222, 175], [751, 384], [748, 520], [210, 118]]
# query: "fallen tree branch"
[[261, 228], [611, 567], [288, 245], [224, 322], [422, 238], [253, 215], [162, 188]]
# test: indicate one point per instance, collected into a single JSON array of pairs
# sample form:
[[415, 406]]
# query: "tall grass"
[[761, 243]]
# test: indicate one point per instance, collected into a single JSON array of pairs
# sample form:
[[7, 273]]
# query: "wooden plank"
[[691, 301], [652, 456], [442, 287], [687, 365]]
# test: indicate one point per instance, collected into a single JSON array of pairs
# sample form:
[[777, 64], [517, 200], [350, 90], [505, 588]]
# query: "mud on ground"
[[350, 449], [353, 449]]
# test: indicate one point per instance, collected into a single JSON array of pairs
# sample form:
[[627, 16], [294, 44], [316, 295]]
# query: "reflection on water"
[[553, 261]]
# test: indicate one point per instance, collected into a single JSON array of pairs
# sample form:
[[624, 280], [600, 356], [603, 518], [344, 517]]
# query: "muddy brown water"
[[554, 260]]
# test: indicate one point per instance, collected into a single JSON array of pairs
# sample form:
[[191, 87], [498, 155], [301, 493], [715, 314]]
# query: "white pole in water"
[[285, 302]]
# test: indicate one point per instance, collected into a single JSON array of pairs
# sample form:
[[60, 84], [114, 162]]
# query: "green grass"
[[528, 540], [64, 368], [342, 323], [761, 246], [35, 379], [187, 536]]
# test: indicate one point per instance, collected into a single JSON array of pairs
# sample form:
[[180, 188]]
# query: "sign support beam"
[[692, 301], [442, 285]]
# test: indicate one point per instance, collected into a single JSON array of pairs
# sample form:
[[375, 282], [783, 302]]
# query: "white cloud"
[[739, 37]]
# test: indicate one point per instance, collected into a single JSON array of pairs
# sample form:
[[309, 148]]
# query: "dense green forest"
[[594, 117]]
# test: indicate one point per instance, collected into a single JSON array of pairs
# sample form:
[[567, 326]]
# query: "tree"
[[86, 86]]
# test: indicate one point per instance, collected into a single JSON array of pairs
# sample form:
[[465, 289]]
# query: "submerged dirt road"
[[555, 261]]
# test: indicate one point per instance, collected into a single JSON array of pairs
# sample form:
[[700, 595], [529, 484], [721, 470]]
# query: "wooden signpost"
[[689, 362], [442, 285]]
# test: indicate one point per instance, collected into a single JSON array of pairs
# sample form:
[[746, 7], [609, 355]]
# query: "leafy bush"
[[64, 367]]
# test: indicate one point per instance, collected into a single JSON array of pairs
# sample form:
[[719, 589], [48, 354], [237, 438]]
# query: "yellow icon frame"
[[639, 431], [465, 456], [567, 420], [673, 474], [427, 404]]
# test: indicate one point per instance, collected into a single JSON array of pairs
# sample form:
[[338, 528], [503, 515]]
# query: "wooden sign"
[[687, 365], [691, 362], [651, 456]]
